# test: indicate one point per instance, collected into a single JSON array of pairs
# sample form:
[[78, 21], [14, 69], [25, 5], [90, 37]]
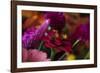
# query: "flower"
[[24, 55], [32, 18], [32, 36], [27, 37], [40, 31], [71, 57], [57, 20], [35, 55], [82, 32], [53, 40]]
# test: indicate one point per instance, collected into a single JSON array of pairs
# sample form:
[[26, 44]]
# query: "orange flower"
[[33, 18]]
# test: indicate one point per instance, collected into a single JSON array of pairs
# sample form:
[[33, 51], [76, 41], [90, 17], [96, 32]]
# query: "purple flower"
[[27, 37], [32, 36], [57, 20], [40, 32], [82, 33]]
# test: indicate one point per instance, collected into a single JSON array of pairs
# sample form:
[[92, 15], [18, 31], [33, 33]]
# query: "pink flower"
[[24, 55], [35, 55]]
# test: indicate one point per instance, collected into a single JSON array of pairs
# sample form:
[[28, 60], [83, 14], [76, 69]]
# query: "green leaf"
[[50, 52]]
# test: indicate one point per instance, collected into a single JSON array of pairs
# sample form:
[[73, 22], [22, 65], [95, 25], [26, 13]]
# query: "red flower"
[[53, 40]]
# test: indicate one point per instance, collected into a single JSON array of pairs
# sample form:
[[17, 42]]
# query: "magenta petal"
[[24, 55]]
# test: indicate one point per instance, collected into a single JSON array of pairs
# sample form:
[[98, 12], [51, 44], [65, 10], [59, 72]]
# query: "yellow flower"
[[71, 57]]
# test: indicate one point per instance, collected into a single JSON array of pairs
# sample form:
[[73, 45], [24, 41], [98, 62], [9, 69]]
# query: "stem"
[[51, 55], [62, 56], [77, 41], [40, 45]]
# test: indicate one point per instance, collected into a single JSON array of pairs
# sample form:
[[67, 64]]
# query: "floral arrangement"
[[54, 36]]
